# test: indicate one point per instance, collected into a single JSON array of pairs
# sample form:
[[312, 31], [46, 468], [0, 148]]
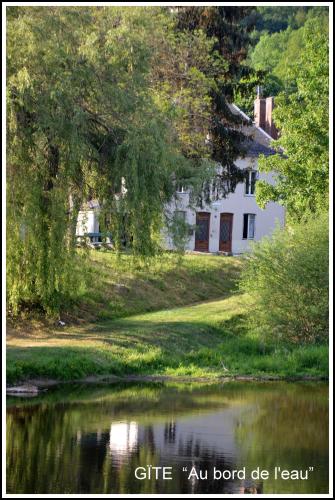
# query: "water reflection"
[[92, 440], [123, 437]]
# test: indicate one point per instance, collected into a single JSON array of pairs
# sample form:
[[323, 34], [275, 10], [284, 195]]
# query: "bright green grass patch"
[[119, 286], [210, 339]]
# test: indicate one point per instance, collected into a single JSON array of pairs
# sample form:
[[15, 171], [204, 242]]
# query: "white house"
[[228, 224]]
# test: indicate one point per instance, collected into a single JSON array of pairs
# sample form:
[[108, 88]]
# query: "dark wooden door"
[[202, 231], [226, 231]]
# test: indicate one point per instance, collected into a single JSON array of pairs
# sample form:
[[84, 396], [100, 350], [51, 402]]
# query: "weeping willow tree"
[[106, 103], [77, 82], [46, 155]]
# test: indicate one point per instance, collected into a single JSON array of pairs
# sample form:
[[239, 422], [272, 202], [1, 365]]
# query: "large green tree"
[[301, 169], [111, 103], [78, 90], [230, 29]]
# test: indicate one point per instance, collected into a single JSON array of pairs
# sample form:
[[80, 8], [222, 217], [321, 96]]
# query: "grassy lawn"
[[118, 287], [209, 339]]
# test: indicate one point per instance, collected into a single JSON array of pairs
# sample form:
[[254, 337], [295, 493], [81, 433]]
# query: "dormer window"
[[250, 183]]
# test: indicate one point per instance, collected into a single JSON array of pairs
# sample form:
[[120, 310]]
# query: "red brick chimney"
[[270, 127], [263, 108], [260, 111]]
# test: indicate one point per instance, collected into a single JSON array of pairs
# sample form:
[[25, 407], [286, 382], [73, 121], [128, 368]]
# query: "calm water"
[[91, 439]]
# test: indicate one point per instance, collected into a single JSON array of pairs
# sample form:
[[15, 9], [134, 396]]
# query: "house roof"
[[257, 140], [255, 148]]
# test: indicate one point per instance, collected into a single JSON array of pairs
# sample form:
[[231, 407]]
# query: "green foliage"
[[145, 162], [103, 103], [292, 51], [269, 49], [179, 230], [228, 29], [276, 19], [113, 329], [286, 276], [159, 282], [245, 94], [280, 45], [303, 119], [205, 340], [275, 46]]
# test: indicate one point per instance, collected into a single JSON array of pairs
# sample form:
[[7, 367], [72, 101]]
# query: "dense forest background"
[[276, 44]]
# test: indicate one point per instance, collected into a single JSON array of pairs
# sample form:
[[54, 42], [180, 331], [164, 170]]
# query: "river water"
[[97, 439]]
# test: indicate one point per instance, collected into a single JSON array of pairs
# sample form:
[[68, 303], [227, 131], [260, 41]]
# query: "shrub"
[[286, 276], [179, 230]]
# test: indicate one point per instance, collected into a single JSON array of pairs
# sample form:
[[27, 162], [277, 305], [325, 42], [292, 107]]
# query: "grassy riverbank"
[[209, 339], [118, 287]]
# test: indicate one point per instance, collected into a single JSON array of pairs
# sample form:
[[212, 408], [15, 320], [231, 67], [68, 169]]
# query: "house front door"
[[226, 231], [202, 232]]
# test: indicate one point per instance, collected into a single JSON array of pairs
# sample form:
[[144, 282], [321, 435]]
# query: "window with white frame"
[[249, 226], [180, 215], [250, 183]]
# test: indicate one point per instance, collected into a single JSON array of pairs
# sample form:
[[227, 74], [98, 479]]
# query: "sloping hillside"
[[168, 317], [118, 287]]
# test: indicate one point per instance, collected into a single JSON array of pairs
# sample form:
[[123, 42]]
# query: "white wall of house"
[[88, 222], [237, 203], [264, 221]]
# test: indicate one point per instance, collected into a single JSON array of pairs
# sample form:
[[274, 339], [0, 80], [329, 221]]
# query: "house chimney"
[[270, 127], [260, 110]]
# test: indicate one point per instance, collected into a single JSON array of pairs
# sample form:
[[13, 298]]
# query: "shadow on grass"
[[209, 339], [127, 346], [115, 294], [130, 331]]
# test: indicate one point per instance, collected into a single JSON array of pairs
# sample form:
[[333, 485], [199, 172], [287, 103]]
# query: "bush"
[[180, 231], [286, 276]]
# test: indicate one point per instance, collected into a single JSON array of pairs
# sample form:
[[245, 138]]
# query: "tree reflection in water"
[[92, 442]]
